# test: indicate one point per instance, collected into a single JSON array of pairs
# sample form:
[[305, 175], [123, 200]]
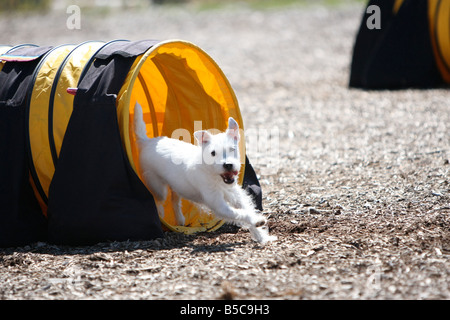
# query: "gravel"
[[356, 183]]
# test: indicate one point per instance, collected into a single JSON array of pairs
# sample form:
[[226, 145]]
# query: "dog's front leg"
[[248, 218], [216, 202], [241, 200]]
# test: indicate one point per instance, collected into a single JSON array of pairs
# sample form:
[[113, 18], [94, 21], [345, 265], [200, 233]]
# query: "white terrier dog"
[[204, 174]]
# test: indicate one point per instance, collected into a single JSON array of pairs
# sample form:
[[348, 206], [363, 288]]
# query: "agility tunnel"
[[409, 49], [69, 163]]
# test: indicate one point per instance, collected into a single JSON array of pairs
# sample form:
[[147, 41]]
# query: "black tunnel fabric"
[[95, 195], [26, 53], [251, 184], [125, 49], [400, 54], [21, 218]]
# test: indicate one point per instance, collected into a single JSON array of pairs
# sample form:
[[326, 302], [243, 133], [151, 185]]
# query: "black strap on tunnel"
[[21, 219], [95, 195]]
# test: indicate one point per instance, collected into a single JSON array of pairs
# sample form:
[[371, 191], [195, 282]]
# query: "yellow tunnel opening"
[[181, 90]]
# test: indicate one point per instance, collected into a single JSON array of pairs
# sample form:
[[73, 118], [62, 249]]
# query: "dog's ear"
[[233, 129], [202, 136]]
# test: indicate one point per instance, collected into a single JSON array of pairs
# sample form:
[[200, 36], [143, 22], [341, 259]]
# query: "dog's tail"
[[139, 124]]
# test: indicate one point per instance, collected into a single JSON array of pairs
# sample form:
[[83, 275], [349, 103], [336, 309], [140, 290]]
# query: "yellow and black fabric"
[[94, 194], [21, 220], [402, 53], [81, 150], [439, 20]]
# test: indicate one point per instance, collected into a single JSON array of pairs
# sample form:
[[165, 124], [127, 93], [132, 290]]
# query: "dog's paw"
[[180, 221], [261, 235], [160, 210], [260, 221]]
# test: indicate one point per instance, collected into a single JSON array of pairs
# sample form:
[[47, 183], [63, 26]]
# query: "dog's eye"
[[213, 153]]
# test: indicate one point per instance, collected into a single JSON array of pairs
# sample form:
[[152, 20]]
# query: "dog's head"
[[220, 152]]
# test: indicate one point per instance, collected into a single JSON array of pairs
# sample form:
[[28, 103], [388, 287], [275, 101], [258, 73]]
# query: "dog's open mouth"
[[228, 177]]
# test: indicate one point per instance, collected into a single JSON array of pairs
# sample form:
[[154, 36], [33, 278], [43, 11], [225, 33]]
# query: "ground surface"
[[358, 191]]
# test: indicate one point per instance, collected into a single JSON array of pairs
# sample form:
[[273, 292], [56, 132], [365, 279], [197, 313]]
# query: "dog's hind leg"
[[176, 204], [160, 207], [159, 191]]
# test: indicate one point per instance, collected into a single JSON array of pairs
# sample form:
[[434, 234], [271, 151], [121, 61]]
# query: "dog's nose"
[[228, 166]]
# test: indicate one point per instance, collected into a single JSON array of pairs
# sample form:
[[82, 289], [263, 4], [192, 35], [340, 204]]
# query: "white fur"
[[205, 174]]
